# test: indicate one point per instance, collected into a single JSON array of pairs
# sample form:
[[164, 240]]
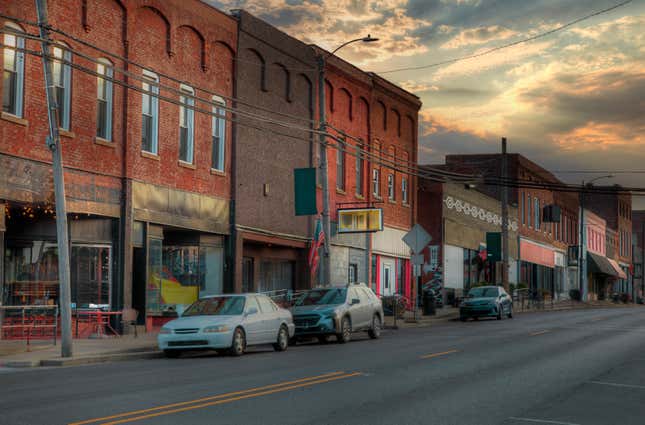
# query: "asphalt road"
[[570, 367]]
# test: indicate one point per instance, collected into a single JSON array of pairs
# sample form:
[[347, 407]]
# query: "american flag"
[[319, 238]]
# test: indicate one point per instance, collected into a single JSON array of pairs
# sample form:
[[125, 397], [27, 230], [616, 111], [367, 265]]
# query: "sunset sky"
[[574, 100]]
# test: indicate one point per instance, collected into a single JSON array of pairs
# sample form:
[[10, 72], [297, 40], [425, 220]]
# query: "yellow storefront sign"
[[359, 220]]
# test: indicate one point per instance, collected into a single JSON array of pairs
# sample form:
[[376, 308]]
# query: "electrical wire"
[[506, 46]]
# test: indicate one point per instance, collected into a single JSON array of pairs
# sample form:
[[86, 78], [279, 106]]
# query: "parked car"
[[338, 311], [227, 323], [486, 301]]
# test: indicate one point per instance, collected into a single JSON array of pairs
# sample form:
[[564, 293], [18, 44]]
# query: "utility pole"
[[326, 263], [504, 215], [582, 269], [53, 142]]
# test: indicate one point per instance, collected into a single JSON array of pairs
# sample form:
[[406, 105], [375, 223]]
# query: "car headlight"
[[215, 329], [165, 331]]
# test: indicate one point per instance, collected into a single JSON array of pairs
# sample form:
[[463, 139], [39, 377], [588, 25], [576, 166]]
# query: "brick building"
[[277, 73], [382, 118], [544, 265], [147, 180], [638, 251]]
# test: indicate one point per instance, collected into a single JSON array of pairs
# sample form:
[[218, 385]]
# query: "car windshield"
[[482, 292], [323, 297], [216, 306]]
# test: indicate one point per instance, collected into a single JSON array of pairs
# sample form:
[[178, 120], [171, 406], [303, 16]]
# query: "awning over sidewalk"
[[601, 264], [619, 270], [536, 254]]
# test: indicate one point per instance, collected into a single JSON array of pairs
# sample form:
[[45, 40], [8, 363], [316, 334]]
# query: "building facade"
[[148, 203], [459, 219], [638, 251], [271, 242]]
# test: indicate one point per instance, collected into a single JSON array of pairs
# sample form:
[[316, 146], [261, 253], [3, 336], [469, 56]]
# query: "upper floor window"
[[522, 207], [14, 73], [376, 182], [340, 166], [218, 134], [536, 211], [404, 190], [360, 165], [186, 124], [390, 187], [150, 113], [528, 210], [62, 80], [104, 100]]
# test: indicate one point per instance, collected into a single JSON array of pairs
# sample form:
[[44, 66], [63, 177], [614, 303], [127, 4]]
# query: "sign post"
[[417, 239]]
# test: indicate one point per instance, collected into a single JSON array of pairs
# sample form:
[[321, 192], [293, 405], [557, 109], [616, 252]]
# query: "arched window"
[[62, 80], [186, 124], [219, 134], [150, 112], [104, 99], [14, 72]]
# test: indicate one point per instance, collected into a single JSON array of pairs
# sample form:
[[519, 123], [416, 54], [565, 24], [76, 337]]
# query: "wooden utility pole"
[[505, 220], [53, 142]]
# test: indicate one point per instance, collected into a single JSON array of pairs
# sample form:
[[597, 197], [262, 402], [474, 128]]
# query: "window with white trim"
[[390, 187], [218, 134], [186, 124], [340, 166], [104, 100], [62, 81], [150, 113], [404, 190], [13, 78], [360, 165], [376, 182], [536, 211]]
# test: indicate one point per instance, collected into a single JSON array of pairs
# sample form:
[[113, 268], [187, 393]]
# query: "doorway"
[[139, 283]]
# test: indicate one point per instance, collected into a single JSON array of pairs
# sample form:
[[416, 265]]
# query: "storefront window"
[[179, 274], [90, 276], [31, 273]]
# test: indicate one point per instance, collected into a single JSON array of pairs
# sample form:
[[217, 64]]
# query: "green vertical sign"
[[305, 191], [494, 246]]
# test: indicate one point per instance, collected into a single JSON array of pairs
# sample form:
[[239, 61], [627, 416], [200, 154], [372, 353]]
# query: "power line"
[[506, 46]]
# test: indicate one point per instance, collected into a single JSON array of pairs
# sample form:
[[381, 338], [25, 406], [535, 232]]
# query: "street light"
[[582, 267], [326, 278]]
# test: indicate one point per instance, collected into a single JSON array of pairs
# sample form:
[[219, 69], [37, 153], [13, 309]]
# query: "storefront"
[[537, 267], [391, 270], [603, 273], [30, 260]]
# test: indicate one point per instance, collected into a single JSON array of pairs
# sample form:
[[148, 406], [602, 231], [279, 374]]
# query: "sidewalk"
[[43, 353]]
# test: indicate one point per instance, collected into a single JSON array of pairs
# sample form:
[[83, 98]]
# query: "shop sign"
[[360, 220]]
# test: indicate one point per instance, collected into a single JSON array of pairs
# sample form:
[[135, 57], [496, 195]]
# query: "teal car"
[[486, 301]]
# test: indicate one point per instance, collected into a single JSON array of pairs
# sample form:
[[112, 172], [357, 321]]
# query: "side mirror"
[[252, 310], [355, 301]]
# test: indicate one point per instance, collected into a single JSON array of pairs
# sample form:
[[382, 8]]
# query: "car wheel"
[[172, 354], [499, 312], [510, 311], [283, 339], [345, 334], [239, 343], [375, 331]]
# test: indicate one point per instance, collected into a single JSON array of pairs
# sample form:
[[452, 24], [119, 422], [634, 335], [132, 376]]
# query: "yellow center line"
[[215, 397], [443, 353], [539, 333], [231, 399]]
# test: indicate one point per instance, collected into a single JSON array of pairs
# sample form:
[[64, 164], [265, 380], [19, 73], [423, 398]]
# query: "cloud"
[[478, 35]]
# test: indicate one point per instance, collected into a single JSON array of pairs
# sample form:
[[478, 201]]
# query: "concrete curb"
[[75, 361]]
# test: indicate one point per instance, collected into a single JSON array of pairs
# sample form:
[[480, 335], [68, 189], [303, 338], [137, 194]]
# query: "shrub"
[[625, 297], [575, 294]]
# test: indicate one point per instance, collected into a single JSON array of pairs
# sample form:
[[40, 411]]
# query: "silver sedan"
[[228, 323]]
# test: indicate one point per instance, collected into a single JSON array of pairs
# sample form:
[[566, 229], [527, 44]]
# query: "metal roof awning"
[[601, 264], [619, 270]]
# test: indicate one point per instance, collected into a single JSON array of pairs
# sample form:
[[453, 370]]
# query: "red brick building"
[[147, 179], [382, 118]]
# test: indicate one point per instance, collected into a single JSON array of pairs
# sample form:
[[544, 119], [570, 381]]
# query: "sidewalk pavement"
[[16, 353]]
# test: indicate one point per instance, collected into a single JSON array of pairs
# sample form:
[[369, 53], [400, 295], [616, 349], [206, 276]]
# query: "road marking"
[[542, 421], [539, 333], [443, 353], [215, 397], [614, 384], [231, 399]]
